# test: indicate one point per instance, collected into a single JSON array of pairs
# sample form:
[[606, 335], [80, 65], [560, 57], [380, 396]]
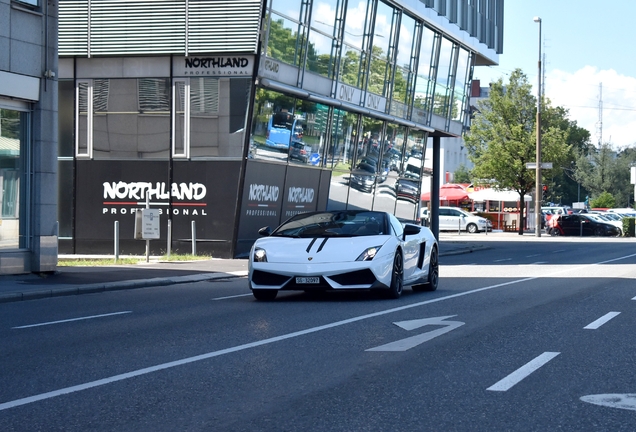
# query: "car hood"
[[320, 250]]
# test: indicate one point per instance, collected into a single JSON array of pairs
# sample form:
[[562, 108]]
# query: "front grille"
[[260, 277], [358, 277]]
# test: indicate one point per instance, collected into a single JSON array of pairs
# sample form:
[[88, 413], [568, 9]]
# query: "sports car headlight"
[[368, 254], [260, 255]]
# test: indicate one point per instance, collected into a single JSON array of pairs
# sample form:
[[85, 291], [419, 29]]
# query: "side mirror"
[[411, 230], [265, 231]]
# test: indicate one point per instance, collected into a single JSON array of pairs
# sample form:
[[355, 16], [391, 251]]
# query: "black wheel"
[[471, 228], [265, 294], [598, 231], [397, 274], [555, 232], [433, 273]]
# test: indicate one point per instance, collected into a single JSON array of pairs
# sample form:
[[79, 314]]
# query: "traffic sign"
[[544, 165]]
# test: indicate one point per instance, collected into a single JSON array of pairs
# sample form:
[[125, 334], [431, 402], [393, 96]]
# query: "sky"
[[587, 46]]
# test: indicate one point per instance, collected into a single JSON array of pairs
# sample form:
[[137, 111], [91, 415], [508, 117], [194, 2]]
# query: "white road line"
[[70, 320], [138, 372], [602, 320], [560, 250], [533, 255], [634, 298], [504, 259], [230, 297], [539, 262], [524, 371]]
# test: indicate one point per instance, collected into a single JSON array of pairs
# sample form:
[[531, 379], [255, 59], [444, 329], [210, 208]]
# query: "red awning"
[[448, 192]]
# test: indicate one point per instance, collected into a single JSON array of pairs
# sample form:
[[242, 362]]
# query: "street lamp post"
[[538, 189]]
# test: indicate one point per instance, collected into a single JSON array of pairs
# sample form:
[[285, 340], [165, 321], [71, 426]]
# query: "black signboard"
[[113, 190]]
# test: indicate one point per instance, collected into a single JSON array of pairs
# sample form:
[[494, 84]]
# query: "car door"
[[445, 220], [458, 220]]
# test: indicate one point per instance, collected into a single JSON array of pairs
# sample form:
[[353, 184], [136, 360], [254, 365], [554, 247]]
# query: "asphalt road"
[[522, 336]]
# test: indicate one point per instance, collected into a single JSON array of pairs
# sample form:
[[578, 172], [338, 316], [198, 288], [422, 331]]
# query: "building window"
[[13, 127], [123, 118], [209, 115]]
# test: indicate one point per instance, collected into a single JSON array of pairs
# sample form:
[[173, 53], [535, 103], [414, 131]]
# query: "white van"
[[456, 219]]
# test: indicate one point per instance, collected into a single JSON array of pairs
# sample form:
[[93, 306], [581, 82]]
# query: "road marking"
[[139, 372], [70, 320], [623, 401], [539, 262], [602, 320], [560, 250], [504, 259], [514, 378], [634, 298], [413, 341], [229, 297], [533, 255]]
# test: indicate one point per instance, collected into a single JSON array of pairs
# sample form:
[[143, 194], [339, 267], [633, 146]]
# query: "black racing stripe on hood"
[[311, 244], [322, 244]]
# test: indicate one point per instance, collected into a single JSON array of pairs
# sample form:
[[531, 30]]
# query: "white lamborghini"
[[343, 250]]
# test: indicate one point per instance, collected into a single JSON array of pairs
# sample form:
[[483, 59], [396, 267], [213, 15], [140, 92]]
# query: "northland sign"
[[185, 198], [213, 66]]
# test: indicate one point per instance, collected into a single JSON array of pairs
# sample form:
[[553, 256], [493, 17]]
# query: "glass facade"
[[390, 60], [13, 127]]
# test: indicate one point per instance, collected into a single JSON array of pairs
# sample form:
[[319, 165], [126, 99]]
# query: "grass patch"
[[97, 262]]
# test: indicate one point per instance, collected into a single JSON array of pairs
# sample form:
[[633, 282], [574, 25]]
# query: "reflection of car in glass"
[[407, 189], [363, 177], [343, 250], [580, 224], [384, 169], [454, 218], [299, 151], [394, 157], [283, 127]]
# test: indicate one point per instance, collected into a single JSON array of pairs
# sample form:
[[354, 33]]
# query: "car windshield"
[[334, 224]]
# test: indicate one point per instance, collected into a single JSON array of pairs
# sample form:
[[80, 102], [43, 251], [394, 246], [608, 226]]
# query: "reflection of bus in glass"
[[280, 128]]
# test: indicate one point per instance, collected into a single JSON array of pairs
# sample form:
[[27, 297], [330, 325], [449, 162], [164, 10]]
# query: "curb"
[[115, 286]]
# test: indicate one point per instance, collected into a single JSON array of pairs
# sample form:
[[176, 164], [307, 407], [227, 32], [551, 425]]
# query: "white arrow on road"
[[410, 342], [623, 401]]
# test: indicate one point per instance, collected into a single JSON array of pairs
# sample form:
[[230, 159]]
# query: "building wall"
[[28, 48], [138, 114]]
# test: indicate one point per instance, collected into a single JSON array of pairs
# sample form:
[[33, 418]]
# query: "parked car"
[[455, 218], [608, 218], [580, 224]]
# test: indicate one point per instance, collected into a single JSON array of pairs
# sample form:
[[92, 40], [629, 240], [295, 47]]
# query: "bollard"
[[194, 238], [169, 236], [116, 241]]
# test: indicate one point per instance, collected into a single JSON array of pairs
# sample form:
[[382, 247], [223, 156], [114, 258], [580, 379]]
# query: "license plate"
[[307, 280]]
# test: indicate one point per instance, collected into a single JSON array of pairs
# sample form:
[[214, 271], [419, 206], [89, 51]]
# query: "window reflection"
[[285, 40], [461, 78], [423, 88], [442, 90]]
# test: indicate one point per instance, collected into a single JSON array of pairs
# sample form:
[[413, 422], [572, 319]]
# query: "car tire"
[[397, 275], [264, 294], [598, 232], [433, 273], [472, 228], [555, 232]]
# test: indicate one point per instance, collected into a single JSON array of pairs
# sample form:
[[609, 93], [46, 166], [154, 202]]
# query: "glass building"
[[229, 116]]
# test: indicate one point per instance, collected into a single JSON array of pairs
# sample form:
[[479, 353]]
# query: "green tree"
[[604, 200], [502, 138], [462, 175]]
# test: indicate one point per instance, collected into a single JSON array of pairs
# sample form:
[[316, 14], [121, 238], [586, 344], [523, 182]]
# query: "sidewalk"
[[83, 280]]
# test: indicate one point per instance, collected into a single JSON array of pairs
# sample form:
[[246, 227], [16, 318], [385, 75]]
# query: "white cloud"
[[579, 93]]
